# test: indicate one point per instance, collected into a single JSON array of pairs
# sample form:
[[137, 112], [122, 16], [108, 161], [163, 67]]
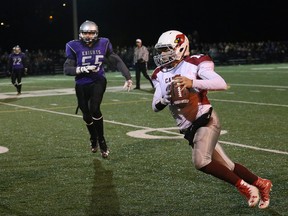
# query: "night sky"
[[26, 22]]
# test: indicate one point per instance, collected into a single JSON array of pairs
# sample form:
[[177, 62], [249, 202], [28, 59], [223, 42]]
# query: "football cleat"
[[265, 187], [94, 147], [104, 149], [105, 154], [249, 191]]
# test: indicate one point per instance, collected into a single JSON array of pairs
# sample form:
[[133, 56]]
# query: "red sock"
[[244, 173], [219, 171]]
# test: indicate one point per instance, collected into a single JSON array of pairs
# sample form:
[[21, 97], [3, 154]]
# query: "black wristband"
[[160, 106]]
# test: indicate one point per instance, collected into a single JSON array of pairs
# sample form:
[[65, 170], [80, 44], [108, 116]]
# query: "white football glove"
[[128, 85], [166, 99], [86, 69]]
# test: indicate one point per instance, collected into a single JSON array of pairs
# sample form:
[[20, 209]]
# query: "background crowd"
[[224, 53]]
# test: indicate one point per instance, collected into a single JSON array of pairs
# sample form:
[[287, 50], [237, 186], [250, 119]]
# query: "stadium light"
[[51, 18], [4, 25]]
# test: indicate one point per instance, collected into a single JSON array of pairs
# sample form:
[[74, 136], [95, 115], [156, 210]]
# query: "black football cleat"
[[94, 147], [104, 149]]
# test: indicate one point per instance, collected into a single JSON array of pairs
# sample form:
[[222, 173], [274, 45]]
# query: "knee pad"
[[200, 160], [200, 164]]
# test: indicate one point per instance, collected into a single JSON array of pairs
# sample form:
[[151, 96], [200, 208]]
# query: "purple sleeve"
[[70, 53]]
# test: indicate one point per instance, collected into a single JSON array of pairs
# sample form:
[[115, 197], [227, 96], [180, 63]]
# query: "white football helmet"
[[171, 46], [88, 27]]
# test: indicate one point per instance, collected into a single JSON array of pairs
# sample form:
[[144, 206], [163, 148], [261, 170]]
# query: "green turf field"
[[49, 169]]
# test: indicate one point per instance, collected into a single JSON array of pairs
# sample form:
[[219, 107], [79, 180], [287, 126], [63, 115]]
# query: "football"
[[179, 95]]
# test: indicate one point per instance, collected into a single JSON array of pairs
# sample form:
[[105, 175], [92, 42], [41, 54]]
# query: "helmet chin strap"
[[171, 66], [175, 63]]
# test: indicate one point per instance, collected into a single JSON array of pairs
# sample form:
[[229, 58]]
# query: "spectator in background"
[[140, 60], [17, 66]]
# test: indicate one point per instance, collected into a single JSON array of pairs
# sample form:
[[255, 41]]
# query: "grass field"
[[49, 169]]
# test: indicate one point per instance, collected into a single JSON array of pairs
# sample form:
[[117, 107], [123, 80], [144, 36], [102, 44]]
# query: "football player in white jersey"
[[197, 120]]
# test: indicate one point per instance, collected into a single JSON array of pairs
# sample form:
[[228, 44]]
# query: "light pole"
[[75, 19]]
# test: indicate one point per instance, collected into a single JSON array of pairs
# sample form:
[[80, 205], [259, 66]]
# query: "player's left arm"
[[208, 78], [117, 62], [25, 63]]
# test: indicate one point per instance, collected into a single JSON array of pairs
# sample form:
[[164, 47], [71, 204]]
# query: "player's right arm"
[[70, 67], [159, 101], [70, 62]]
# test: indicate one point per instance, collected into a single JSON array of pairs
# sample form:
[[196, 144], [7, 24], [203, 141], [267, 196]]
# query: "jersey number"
[[86, 60], [17, 61]]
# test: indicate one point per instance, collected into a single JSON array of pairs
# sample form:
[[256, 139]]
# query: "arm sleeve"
[[69, 67], [156, 102], [117, 62], [210, 80]]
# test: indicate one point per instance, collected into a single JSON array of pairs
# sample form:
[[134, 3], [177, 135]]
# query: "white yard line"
[[49, 92], [39, 93], [141, 127]]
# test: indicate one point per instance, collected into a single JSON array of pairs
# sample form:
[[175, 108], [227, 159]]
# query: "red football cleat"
[[264, 186], [249, 191]]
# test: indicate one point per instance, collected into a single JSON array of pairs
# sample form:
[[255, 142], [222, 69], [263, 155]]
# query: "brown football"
[[186, 101], [179, 95]]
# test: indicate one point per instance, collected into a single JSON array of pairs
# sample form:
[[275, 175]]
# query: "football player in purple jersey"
[[17, 66], [84, 60]]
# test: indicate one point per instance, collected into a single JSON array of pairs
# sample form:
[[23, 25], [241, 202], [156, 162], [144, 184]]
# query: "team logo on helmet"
[[179, 39]]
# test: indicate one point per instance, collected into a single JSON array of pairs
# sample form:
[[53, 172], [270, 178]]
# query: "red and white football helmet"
[[88, 31], [171, 46]]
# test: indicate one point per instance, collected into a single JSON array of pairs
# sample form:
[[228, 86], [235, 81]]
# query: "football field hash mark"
[[3, 149]]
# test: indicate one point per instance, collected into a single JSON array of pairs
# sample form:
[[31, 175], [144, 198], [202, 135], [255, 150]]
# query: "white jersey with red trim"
[[200, 69]]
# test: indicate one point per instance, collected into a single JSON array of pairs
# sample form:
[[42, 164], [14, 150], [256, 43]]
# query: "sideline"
[[49, 92]]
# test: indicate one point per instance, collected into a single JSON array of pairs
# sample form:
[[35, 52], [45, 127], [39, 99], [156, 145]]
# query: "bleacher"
[[51, 62]]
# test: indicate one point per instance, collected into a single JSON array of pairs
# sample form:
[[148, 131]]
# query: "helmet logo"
[[179, 39]]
